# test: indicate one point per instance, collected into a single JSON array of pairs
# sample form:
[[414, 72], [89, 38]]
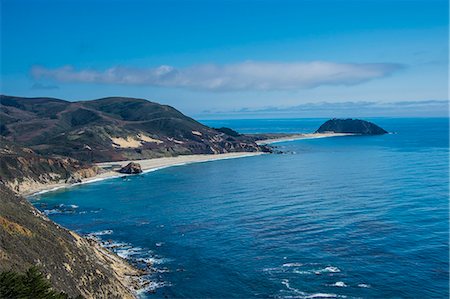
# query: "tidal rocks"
[[131, 168], [353, 126]]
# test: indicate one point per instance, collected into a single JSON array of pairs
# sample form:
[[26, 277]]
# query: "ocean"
[[341, 217]]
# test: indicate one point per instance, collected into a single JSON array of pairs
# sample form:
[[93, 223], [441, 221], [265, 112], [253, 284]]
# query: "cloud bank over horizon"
[[250, 75], [423, 108]]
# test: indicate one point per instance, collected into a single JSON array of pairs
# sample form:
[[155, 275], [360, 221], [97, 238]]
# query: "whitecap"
[[102, 232], [149, 285], [332, 269], [272, 270], [363, 285], [324, 295], [286, 283], [128, 251], [328, 269], [154, 260], [68, 206], [339, 284], [292, 265], [301, 272], [52, 211]]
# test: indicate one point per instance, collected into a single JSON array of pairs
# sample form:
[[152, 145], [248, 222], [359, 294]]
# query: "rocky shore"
[[74, 265]]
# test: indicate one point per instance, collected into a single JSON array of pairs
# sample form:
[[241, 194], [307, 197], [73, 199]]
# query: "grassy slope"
[[83, 130]]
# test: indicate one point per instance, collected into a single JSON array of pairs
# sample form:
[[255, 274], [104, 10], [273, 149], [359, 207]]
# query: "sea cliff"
[[73, 264]]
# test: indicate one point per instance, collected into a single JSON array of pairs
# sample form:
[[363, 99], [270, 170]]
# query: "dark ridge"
[[228, 131]]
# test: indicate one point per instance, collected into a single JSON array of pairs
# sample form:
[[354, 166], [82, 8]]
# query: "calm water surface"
[[344, 217]]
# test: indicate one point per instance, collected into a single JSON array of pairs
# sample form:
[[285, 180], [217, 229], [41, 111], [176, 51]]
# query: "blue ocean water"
[[342, 217]]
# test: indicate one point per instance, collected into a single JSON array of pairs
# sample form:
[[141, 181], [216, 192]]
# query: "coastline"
[[108, 169], [294, 137], [131, 277]]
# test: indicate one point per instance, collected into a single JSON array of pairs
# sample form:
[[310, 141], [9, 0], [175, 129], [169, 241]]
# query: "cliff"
[[74, 265], [353, 126], [24, 171]]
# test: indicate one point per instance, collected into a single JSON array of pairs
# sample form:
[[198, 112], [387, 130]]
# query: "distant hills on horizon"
[[324, 109]]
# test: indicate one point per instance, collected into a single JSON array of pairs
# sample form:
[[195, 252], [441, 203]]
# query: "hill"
[[111, 129]]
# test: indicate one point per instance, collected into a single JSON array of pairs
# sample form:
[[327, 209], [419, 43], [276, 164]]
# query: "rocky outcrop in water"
[[352, 126], [131, 168]]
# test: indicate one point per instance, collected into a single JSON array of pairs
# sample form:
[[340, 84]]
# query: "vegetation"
[[84, 130], [228, 131], [73, 264], [31, 284]]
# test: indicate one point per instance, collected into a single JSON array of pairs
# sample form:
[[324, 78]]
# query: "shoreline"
[[130, 276], [147, 165], [109, 169], [304, 136], [133, 278]]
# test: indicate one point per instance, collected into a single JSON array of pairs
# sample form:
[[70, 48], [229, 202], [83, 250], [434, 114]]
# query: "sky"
[[317, 58]]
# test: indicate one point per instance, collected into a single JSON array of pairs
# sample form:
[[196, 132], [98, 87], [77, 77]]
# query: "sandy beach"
[[109, 169], [302, 136]]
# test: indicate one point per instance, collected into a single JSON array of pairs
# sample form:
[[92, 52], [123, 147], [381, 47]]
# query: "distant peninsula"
[[351, 126]]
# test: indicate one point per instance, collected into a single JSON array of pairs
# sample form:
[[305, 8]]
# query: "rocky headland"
[[351, 126]]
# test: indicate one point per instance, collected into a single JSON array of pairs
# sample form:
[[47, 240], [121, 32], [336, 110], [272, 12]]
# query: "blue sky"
[[212, 57]]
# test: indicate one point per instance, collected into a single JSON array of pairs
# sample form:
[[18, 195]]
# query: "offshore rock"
[[131, 168], [352, 126]]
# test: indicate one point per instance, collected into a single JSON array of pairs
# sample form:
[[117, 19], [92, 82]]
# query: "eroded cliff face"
[[24, 171], [73, 264]]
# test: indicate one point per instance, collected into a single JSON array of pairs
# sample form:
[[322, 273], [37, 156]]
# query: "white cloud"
[[425, 108], [241, 76]]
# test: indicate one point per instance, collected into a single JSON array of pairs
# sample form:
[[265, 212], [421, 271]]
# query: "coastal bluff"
[[350, 126], [73, 264]]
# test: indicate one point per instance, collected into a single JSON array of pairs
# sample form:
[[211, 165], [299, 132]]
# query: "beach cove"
[[333, 216], [109, 169]]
